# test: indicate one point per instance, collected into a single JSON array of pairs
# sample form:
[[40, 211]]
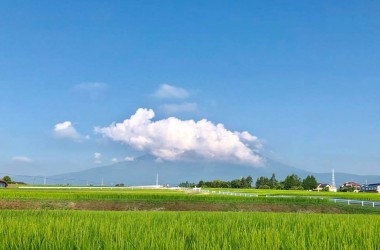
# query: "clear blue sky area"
[[302, 76]]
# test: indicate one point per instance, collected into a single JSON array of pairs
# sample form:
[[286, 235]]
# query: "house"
[[3, 184], [350, 186], [322, 187], [375, 187]]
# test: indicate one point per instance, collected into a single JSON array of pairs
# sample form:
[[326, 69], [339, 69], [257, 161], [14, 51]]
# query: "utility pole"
[[45, 180], [157, 180], [333, 178]]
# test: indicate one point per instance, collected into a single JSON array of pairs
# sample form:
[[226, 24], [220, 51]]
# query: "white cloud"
[[90, 86], [176, 108], [169, 91], [23, 159], [97, 158], [67, 131], [174, 139], [93, 89], [129, 158]]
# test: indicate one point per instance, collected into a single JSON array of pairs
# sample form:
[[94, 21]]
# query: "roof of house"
[[352, 183], [323, 185], [2, 181], [373, 184]]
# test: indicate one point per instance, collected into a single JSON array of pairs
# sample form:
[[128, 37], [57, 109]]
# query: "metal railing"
[[335, 200], [357, 202]]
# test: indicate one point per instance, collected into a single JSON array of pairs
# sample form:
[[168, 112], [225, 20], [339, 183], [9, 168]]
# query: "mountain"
[[143, 171]]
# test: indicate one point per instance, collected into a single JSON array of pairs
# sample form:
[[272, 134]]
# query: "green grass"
[[343, 195], [185, 230], [157, 196], [133, 195]]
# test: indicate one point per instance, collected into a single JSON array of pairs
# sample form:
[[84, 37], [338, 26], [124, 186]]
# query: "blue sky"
[[301, 76]]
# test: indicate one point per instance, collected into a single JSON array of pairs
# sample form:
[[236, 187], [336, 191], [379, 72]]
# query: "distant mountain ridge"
[[143, 171]]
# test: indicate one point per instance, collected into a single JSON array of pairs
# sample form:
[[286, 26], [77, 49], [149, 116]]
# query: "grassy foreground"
[[186, 230]]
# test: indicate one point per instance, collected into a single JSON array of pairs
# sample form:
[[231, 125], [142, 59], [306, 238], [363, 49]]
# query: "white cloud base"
[[173, 139]]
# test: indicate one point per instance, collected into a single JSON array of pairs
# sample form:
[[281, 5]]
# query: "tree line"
[[291, 182], [236, 183]]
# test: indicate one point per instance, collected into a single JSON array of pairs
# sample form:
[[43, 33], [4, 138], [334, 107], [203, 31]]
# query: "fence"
[[357, 202], [345, 201]]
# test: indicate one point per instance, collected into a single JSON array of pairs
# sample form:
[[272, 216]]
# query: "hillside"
[[144, 169]]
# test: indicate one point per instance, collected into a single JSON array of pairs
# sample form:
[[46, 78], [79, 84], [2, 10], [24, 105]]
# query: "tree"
[[219, 184], [262, 181], [7, 178], [201, 183], [309, 183], [246, 182], [187, 184], [236, 183], [280, 185], [273, 181], [249, 180], [292, 182]]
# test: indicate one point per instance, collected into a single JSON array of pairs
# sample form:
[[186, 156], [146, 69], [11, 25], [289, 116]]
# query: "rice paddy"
[[186, 230], [313, 223], [301, 193], [134, 195]]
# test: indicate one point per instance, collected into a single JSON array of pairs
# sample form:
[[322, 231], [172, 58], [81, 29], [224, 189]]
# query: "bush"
[[264, 187]]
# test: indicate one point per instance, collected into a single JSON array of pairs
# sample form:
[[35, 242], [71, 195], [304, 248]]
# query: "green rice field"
[[186, 230], [300, 193], [172, 219], [130, 195]]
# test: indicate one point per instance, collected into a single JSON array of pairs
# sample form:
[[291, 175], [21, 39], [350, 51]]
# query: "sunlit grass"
[[343, 195], [186, 230], [136, 195]]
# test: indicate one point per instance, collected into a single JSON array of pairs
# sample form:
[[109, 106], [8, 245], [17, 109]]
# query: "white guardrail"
[[335, 200], [357, 202]]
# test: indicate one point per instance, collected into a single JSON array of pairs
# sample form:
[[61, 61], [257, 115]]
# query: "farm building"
[[325, 187], [3, 184], [322, 187], [350, 185], [375, 187]]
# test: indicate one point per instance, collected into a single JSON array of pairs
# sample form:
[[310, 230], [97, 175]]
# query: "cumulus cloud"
[[67, 131], [97, 158], [174, 139], [176, 108], [169, 91], [22, 159]]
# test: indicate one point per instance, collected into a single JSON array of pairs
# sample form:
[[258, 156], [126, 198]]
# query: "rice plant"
[[186, 230]]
